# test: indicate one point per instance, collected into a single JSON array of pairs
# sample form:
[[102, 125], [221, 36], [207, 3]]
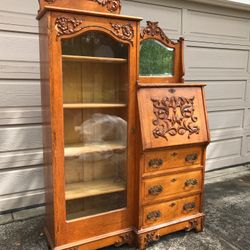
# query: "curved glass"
[[156, 59], [95, 94]]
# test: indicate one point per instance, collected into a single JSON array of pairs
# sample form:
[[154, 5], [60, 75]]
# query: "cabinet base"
[[141, 239]]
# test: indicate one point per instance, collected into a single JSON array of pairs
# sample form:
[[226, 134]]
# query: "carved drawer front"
[[172, 116], [165, 186], [166, 159], [169, 211]]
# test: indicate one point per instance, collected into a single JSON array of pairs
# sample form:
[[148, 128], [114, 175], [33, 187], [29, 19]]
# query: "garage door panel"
[[21, 47], [15, 93], [221, 120], [248, 118], [224, 148], [20, 138], [248, 144], [21, 180], [217, 91], [18, 22], [214, 59], [168, 18], [217, 26]]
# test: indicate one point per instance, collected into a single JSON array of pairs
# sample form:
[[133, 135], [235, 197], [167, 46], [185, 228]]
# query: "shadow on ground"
[[227, 225]]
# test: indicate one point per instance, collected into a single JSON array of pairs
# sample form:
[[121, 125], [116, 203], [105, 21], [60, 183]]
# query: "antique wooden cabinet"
[[124, 153]]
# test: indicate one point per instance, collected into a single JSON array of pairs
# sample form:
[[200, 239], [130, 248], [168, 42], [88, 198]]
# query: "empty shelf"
[[93, 188]]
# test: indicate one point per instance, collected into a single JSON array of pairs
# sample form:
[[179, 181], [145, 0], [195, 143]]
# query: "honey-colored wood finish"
[[105, 191]]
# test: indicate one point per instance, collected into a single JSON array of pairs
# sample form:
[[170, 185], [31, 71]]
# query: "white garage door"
[[217, 51]]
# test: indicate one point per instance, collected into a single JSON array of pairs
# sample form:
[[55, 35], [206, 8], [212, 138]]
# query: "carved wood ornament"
[[192, 224], [153, 30], [150, 238], [67, 25], [123, 31], [174, 115], [111, 5], [124, 239]]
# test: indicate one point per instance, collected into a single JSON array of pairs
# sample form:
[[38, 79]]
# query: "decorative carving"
[[67, 25], [123, 31], [151, 237], [174, 115], [192, 225], [124, 239], [111, 5], [152, 29]]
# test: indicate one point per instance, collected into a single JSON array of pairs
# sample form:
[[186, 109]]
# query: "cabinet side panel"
[[45, 96]]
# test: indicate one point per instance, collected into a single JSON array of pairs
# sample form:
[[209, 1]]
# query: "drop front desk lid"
[[172, 115]]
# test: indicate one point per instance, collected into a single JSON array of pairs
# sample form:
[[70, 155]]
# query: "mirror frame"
[[154, 32]]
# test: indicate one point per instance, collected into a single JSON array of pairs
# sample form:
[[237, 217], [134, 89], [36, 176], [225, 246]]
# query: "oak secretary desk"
[[124, 137]]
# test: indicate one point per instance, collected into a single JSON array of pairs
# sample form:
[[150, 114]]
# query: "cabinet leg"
[[145, 240], [200, 226]]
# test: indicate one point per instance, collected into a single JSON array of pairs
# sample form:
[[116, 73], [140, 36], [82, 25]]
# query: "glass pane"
[[95, 92], [156, 59]]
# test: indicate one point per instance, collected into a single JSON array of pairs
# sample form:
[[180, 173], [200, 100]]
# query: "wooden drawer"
[[167, 186], [167, 159], [169, 211], [172, 116]]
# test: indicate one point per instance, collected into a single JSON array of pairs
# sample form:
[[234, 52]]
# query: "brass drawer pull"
[[155, 163], [154, 215], [192, 158], [155, 190], [189, 206], [191, 182]]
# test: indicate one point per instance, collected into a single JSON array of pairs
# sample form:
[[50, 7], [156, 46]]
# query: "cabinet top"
[[105, 7]]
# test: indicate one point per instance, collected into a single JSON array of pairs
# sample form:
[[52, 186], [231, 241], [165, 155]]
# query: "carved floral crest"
[[152, 29], [67, 25], [111, 5], [174, 115], [123, 31]]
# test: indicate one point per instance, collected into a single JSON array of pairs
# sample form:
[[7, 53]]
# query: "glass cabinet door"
[[95, 95]]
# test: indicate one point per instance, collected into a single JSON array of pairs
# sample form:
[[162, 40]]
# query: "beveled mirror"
[[161, 59]]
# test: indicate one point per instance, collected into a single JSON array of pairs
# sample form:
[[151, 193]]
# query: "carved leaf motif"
[[174, 115], [152, 29], [123, 31], [67, 25], [111, 5], [151, 237], [124, 239]]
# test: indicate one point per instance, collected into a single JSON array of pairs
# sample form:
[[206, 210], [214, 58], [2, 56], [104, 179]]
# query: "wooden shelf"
[[76, 150], [93, 188], [73, 58], [93, 105]]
